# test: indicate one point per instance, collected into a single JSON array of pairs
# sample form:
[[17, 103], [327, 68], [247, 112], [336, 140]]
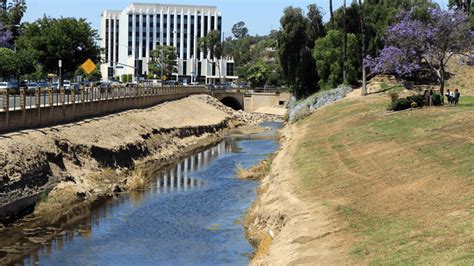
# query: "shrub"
[[124, 78], [401, 104], [393, 96], [417, 99], [436, 99]]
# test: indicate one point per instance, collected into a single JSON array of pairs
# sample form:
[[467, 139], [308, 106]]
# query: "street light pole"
[[60, 64]]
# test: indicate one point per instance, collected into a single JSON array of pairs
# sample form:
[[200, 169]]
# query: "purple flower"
[[410, 42], [5, 37]]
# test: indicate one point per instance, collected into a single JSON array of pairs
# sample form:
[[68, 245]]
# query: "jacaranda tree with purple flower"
[[5, 36], [411, 45]]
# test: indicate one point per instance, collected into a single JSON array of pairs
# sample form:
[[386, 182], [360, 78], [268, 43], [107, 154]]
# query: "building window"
[[199, 26], [107, 40], [230, 69], [213, 24]]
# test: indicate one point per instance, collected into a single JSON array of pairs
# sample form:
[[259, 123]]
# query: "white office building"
[[128, 36]]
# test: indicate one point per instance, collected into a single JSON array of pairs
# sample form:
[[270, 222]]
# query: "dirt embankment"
[[356, 184], [285, 225], [69, 168], [93, 158]]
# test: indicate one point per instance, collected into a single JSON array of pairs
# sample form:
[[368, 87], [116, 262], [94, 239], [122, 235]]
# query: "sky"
[[260, 16]]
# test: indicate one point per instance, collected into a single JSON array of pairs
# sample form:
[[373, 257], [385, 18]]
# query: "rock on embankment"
[[240, 116], [34, 162], [299, 110]]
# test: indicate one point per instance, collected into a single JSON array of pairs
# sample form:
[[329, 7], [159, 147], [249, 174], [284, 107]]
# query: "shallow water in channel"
[[191, 215]]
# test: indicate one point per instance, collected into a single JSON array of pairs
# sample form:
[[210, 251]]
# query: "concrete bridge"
[[252, 100], [232, 99]]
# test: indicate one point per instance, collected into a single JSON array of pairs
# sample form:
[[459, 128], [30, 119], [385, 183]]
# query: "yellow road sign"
[[164, 78], [88, 66]]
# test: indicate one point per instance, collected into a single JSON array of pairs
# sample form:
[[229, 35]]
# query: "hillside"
[[462, 77], [356, 184], [403, 182]]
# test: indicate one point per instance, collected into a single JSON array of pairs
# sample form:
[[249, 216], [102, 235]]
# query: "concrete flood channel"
[[191, 214]]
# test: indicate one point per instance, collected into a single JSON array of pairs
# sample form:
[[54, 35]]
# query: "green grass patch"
[[428, 141], [466, 102]]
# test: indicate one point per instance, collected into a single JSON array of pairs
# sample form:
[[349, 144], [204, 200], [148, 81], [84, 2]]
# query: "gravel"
[[240, 116], [298, 110]]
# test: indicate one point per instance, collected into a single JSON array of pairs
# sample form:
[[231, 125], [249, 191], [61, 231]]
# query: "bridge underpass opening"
[[232, 103]]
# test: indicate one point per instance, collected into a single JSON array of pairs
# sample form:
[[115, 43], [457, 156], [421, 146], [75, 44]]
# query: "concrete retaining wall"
[[61, 113]]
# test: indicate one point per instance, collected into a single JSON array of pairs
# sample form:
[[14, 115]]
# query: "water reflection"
[[176, 179], [172, 217]]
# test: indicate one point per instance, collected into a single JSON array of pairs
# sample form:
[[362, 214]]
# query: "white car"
[[3, 85], [67, 84]]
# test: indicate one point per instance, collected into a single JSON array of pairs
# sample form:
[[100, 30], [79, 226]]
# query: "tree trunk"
[[332, 14], [442, 81], [344, 45], [362, 31]]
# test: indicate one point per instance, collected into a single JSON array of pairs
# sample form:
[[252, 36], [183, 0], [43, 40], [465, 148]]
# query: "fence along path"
[[45, 107]]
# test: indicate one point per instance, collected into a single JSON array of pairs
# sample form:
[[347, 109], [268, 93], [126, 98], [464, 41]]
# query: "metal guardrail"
[[42, 98]]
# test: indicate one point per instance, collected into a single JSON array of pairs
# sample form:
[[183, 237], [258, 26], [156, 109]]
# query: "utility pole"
[[362, 32], [332, 14], [344, 45]]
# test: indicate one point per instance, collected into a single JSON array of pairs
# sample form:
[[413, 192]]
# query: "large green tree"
[[212, 43], [68, 39], [295, 43], [329, 59], [14, 64], [8, 65], [258, 74], [162, 60]]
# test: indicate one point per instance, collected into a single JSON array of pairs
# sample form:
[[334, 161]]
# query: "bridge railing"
[[41, 107]]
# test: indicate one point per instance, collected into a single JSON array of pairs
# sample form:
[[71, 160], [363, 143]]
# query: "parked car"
[[11, 86], [3, 85], [42, 84], [31, 86], [67, 84], [104, 85], [171, 82]]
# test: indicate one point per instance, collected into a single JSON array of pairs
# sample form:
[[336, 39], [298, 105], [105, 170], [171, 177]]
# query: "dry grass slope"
[[403, 182]]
